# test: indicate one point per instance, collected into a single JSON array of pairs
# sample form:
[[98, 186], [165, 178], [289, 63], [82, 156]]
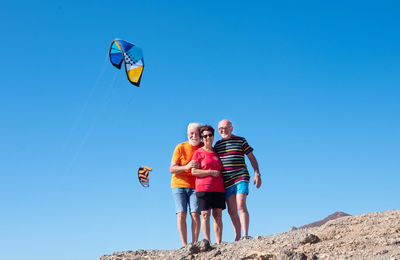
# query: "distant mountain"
[[319, 223]]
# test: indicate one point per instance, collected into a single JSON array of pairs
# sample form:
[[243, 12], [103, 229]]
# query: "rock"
[[293, 228], [289, 255], [258, 257], [310, 239], [217, 253], [202, 246]]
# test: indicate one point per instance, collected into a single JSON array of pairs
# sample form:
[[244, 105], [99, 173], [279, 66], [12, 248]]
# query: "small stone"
[[290, 255], [246, 238], [310, 239], [218, 252], [385, 251]]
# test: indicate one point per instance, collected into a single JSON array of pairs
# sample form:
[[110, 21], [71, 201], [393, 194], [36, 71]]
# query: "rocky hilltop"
[[368, 236], [333, 216]]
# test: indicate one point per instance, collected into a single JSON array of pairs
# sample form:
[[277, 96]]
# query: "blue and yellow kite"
[[131, 55]]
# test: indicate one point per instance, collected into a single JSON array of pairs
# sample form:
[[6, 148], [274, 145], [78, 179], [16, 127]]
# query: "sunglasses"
[[209, 135]]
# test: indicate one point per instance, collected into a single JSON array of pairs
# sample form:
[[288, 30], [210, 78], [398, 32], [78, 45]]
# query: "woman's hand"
[[215, 173]]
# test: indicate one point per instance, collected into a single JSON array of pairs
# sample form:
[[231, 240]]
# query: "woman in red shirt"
[[210, 189]]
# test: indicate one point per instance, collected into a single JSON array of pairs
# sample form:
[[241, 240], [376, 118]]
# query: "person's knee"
[[242, 208], [217, 214], [232, 212], [205, 214], [181, 215], [195, 216]]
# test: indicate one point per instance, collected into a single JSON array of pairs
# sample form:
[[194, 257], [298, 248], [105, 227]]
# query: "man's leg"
[[244, 214], [194, 213], [232, 210], [195, 226], [181, 201], [182, 227]]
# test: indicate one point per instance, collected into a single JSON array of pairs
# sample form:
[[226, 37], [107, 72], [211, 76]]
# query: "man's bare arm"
[[254, 164], [176, 168]]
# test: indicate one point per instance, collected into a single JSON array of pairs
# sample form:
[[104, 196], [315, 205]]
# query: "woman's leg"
[[217, 216], [205, 224], [195, 226]]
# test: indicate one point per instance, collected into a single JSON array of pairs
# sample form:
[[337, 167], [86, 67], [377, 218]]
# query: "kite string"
[[85, 105], [93, 122], [123, 108]]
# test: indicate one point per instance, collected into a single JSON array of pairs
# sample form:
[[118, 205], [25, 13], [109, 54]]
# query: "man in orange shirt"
[[183, 183]]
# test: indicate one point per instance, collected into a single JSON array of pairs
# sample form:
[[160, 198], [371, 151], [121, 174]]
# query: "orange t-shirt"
[[183, 155]]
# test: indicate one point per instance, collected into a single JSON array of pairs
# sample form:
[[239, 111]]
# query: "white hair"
[[193, 125]]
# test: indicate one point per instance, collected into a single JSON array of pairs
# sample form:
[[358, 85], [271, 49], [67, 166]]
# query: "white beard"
[[194, 142], [224, 136]]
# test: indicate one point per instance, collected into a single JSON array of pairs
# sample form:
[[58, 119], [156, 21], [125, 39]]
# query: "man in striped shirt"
[[231, 150]]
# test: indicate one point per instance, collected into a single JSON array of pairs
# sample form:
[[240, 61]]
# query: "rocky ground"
[[368, 236]]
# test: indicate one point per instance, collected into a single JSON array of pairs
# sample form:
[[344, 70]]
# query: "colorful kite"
[[131, 55], [143, 174]]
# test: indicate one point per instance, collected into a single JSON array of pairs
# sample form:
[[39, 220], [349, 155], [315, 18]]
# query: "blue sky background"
[[313, 86]]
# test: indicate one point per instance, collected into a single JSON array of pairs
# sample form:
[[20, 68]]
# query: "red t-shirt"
[[208, 161]]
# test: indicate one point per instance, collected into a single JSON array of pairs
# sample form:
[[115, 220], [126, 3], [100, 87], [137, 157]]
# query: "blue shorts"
[[183, 198], [241, 187]]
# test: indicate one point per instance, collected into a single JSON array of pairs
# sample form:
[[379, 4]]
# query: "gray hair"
[[193, 125]]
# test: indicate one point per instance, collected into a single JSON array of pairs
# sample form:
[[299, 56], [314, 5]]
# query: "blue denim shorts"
[[184, 198], [241, 187]]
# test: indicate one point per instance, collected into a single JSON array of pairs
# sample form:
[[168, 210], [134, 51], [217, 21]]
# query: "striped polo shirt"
[[231, 152]]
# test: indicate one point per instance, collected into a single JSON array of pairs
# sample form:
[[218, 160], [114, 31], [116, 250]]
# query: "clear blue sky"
[[314, 87]]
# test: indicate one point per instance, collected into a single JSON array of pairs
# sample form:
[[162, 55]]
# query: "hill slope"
[[368, 236]]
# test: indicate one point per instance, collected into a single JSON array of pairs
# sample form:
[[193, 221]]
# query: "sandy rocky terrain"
[[368, 236]]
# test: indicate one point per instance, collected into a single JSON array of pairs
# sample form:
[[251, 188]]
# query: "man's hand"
[[192, 164], [257, 180]]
